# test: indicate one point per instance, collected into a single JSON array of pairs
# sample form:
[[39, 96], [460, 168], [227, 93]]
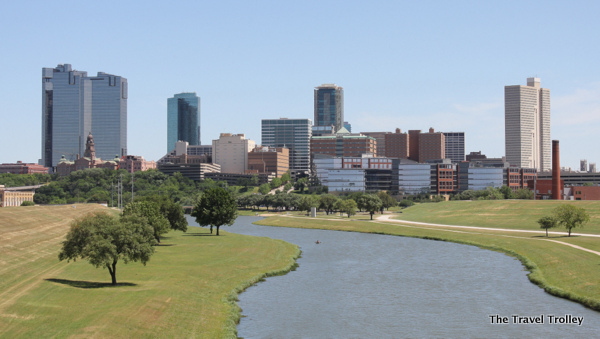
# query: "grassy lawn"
[[186, 290], [514, 214], [559, 269]]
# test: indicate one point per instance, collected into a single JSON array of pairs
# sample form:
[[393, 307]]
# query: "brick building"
[[22, 168], [264, 159], [343, 144]]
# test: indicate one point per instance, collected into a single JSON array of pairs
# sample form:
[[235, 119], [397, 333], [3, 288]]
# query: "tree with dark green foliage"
[[264, 188], [347, 206], [327, 202], [370, 203], [306, 202], [171, 210], [276, 182], [104, 239], [570, 216], [151, 212], [216, 207], [387, 200], [547, 222], [301, 184], [28, 203]]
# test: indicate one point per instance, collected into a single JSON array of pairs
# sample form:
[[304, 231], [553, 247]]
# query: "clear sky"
[[405, 64]]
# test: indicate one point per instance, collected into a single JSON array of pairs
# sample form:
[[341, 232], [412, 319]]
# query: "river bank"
[[560, 270]]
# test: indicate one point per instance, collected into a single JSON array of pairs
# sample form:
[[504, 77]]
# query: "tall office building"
[[183, 119], [75, 105], [455, 146], [527, 125], [293, 134], [329, 106]]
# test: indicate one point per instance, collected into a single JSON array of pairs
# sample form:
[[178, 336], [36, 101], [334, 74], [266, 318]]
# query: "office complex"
[[293, 134], [343, 144], [73, 105], [527, 125], [230, 151], [183, 119], [455, 146], [329, 106]]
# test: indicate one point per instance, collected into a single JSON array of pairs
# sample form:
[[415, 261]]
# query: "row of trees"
[[567, 215], [494, 193], [104, 239], [329, 203]]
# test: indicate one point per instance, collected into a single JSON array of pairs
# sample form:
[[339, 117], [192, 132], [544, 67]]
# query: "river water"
[[356, 285]]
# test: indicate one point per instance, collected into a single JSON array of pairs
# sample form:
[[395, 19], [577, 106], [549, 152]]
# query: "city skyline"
[[263, 60]]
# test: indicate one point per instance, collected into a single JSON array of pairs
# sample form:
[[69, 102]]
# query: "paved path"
[[386, 218]]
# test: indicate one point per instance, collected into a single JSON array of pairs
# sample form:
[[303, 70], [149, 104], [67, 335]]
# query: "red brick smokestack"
[[556, 189]]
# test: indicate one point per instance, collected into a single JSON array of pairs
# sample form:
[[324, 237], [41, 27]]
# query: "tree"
[[547, 222], [370, 203], [170, 210], [570, 216], [306, 202], [264, 188], [347, 206], [507, 192], [327, 202], [27, 203], [216, 207], [276, 182], [103, 240], [386, 200], [151, 211], [301, 184]]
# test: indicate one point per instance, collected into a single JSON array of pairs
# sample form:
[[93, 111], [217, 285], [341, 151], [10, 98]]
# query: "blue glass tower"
[[329, 106], [183, 119], [75, 105]]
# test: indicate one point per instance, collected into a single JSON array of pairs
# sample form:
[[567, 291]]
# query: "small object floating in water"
[[317, 242]]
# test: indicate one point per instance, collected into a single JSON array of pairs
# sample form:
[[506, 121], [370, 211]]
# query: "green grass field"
[[186, 290], [514, 214], [555, 266]]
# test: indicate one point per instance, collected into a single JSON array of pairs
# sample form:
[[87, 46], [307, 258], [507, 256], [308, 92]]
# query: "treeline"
[[328, 203], [102, 185]]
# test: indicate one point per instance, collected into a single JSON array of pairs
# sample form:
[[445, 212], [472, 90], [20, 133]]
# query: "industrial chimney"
[[556, 189]]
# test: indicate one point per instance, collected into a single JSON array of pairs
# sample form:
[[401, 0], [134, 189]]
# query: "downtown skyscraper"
[[293, 134], [183, 119], [329, 106], [75, 105], [527, 125]]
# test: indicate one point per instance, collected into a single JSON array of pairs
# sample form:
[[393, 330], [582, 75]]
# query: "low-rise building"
[[22, 168], [15, 196], [264, 159]]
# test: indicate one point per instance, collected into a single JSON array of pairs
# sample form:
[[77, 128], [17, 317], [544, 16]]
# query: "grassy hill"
[[186, 289], [513, 214]]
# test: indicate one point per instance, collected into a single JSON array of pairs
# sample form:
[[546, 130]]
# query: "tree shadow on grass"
[[199, 235], [162, 245], [555, 236], [88, 284]]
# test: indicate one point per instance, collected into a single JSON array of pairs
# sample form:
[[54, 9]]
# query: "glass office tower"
[[329, 106], [183, 119], [295, 135], [73, 105]]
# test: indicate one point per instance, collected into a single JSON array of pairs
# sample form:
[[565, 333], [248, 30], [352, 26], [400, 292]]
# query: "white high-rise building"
[[527, 125]]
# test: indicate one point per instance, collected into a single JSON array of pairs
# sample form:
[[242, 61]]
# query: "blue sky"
[[405, 64]]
